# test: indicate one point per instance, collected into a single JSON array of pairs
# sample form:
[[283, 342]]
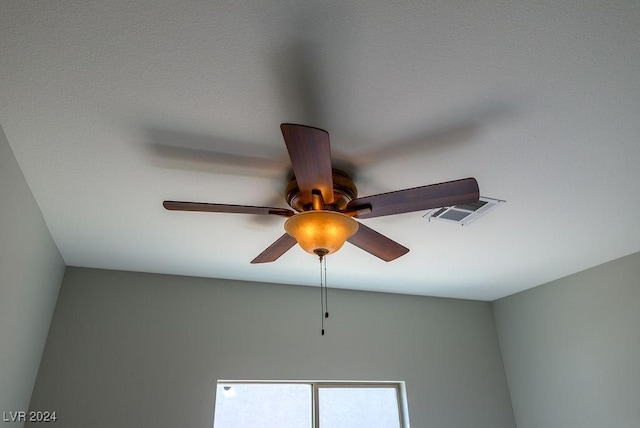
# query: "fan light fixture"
[[321, 232]]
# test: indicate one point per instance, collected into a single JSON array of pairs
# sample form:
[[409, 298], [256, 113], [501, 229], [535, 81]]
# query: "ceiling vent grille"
[[465, 213]]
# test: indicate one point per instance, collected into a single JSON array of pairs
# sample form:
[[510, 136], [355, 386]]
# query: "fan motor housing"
[[344, 191]]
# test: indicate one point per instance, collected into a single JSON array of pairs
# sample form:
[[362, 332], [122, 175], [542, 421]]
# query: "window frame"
[[316, 385]]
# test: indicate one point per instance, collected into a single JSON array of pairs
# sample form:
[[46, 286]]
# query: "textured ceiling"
[[112, 107]]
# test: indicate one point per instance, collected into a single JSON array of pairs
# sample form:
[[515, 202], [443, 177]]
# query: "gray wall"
[[571, 349], [31, 271], [144, 350]]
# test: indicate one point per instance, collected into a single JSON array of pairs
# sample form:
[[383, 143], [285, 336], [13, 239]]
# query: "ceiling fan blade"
[[275, 250], [377, 244], [225, 208], [310, 155], [419, 198]]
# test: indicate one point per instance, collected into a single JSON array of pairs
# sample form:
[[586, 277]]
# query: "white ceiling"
[[112, 107]]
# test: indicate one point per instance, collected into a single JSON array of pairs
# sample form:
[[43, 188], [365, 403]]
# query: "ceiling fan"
[[325, 202]]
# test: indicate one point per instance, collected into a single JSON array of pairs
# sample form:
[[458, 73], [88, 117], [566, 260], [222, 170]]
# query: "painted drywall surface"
[[144, 350], [31, 271], [571, 349]]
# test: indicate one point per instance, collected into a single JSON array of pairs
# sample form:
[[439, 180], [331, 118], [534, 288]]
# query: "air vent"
[[465, 213]]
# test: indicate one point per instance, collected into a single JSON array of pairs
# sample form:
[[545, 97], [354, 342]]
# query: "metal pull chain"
[[324, 301]]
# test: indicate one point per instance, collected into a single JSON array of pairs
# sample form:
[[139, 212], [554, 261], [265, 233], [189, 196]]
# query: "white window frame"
[[401, 394]]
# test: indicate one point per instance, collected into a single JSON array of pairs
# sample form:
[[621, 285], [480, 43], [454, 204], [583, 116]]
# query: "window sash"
[[316, 386], [356, 385]]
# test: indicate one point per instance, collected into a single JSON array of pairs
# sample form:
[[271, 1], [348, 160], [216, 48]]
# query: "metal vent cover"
[[465, 213]]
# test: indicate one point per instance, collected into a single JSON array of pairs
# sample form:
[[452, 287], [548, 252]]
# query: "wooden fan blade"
[[446, 194], [310, 155], [377, 244], [225, 208], [275, 250]]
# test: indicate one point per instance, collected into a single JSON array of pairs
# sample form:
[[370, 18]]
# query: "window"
[[243, 404]]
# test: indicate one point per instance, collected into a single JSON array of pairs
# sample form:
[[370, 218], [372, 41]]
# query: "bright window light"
[[306, 404], [358, 407], [267, 405]]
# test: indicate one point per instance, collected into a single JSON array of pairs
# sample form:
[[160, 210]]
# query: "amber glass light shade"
[[321, 231]]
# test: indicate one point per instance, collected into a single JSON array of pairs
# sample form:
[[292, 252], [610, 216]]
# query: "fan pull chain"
[[322, 312], [324, 300], [326, 291]]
